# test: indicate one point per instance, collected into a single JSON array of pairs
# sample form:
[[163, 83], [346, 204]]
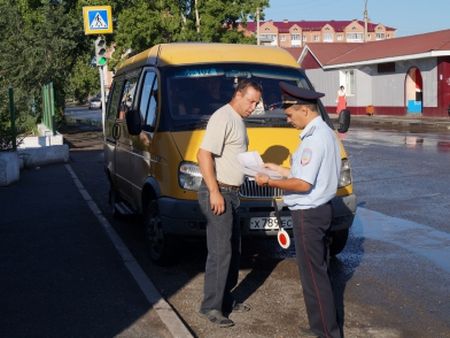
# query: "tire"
[[338, 239], [160, 246]]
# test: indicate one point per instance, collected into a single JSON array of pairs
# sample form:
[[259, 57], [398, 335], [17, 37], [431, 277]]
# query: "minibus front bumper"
[[184, 217]]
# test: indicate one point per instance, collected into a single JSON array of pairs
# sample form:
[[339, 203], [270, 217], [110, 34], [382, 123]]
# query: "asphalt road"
[[393, 276]]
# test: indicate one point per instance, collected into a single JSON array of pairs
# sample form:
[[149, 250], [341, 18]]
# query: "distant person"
[[218, 196], [309, 187], [341, 99]]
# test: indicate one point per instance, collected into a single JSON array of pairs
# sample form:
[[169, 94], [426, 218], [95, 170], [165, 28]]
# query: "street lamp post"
[[366, 19]]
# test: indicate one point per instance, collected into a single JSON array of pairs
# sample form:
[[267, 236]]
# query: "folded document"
[[253, 164]]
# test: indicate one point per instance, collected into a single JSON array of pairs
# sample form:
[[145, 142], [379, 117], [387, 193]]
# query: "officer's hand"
[[261, 179], [278, 168], [217, 203], [272, 166]]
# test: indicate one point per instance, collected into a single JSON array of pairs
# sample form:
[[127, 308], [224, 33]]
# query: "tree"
[[147, 23], [40, 43]]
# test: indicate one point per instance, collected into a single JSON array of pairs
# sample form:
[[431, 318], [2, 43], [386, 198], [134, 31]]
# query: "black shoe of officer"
[[307, 333]]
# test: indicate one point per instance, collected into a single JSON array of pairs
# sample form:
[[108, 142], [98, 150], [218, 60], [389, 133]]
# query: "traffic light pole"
[[102, 93]]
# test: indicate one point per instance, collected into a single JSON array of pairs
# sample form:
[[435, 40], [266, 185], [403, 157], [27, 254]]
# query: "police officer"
[[309, 186]]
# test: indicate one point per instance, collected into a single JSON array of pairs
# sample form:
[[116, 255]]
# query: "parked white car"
[[95, 103]]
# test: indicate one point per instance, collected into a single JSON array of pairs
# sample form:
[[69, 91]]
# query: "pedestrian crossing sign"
[[97, 20]]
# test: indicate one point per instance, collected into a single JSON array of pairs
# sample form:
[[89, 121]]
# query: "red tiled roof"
[[295, 52], [338, 26], [344, 53]]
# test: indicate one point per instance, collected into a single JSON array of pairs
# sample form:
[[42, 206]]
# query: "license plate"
[[270, 223]]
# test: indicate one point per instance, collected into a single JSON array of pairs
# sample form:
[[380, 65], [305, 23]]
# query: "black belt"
[[228, 186]]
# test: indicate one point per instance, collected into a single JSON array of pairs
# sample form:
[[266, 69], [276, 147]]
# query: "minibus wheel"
[[338, 239], [159, 244]]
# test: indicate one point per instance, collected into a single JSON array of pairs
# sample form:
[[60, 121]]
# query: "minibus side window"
[[126, 101], [149, 101], [113, 106], [114, 100]]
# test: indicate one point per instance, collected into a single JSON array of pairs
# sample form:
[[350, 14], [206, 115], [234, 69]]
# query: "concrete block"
[[33, 157], [41, 141], [9, 168]]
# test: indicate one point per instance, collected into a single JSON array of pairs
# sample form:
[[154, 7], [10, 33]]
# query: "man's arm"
[[206, 163], [291, 184]]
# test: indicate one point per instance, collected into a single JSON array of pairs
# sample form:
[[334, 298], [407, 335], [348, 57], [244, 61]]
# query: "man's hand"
[[261, 179], [217, 203]]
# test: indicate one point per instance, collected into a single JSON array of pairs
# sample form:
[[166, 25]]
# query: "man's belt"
[[228, 186]]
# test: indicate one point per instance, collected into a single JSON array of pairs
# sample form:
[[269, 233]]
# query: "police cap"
[[295, 95]]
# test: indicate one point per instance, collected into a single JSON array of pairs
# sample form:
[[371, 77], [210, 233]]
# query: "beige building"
[[290, 34]]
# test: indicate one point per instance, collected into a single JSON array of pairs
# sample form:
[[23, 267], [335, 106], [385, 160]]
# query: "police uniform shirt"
[[226, 137], [318, 162]]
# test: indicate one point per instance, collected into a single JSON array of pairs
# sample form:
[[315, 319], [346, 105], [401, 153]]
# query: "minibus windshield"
[[193, 93]]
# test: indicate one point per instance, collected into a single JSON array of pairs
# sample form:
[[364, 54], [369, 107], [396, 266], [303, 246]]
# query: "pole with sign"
[[98, 21]]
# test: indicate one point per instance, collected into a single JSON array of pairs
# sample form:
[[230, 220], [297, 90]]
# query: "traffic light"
[[100, 51]]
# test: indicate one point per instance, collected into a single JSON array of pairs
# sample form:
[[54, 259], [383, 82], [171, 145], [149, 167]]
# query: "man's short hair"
[[245, 83]]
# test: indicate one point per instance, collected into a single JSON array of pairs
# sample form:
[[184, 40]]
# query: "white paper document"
[[253, 164]]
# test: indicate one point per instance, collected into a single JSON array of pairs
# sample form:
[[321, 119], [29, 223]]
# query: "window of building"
[[316, 38], [328, 37], [296, 37], [380, 36], [305, 38], [348, 79], [283, 37], [355, 37], [339, 37], [268, 37], [386, 67]]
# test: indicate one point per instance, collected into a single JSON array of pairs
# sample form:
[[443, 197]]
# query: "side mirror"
[[344, 121], [134, 123]]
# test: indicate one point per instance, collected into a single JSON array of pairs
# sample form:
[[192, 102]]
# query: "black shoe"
[[217, 318], [241, 307], [307, 333]]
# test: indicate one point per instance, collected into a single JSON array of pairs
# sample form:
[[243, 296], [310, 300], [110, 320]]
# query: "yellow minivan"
[[158, 108]]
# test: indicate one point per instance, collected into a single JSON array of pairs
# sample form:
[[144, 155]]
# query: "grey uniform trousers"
[[223, 239], [310, 227]]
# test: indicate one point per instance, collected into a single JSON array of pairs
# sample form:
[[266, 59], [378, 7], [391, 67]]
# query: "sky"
[[409, 17]]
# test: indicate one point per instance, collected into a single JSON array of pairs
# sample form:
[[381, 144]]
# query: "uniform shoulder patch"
[[306, 156]]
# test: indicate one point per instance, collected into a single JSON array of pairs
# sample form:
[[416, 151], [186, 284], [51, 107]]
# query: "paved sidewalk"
[[408, 122], [60, 274]]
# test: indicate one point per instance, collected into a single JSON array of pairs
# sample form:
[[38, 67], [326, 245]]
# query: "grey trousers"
[[223, 239], [310, 227]]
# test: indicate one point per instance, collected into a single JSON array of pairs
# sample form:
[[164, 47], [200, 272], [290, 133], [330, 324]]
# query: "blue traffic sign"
[[97, 19]]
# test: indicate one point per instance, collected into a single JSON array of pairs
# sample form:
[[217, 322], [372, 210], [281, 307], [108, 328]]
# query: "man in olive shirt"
[[218, 196]]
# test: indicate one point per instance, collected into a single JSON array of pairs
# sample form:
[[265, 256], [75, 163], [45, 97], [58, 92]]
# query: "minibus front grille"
[[249, 189]]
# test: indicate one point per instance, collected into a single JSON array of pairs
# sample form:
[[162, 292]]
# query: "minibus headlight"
[[346, 174], [189, 176]]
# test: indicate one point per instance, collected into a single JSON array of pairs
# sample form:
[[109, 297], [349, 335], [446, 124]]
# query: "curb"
[[397, 123], [166, 313]]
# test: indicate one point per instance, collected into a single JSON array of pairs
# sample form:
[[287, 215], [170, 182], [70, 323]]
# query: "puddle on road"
[[420, 239]]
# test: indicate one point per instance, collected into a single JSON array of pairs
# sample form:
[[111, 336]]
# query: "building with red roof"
[[406, 75], [289, 34]]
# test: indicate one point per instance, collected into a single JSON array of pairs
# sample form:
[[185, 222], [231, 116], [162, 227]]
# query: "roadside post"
[[98, 21], [12, 111]]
